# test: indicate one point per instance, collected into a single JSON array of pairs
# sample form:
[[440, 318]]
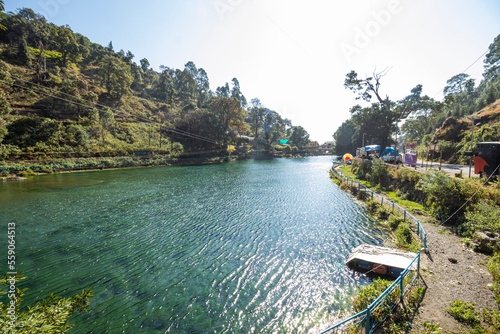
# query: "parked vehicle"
[[410, 158], [388, 155], [487, 159], [369, 152]]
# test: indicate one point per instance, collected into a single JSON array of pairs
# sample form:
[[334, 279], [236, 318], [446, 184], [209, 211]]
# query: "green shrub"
[[372, 206], [354, 189], [46, 170], [405, 181], [368, 294], [443, 194], [8, 150], [5, 107], [361, 169], [380, 173], [383, 213], [494, 269], [394, 222], [416, 296], [56, 70], [48, 316], [464, 312], [484, 215], [492, 319], [360, 195], [404, 235], [402, 194]]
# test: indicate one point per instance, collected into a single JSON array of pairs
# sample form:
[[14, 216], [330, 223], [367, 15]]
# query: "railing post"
[[368, 320], [404, 217], [382, 202], [418, 227], [401, 288], [392, 207]]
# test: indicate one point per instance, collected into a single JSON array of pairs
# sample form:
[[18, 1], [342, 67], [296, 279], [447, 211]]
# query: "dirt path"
[[451, 271]]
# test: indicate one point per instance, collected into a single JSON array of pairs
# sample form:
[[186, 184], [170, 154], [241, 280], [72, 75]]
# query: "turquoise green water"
[[242, 247]]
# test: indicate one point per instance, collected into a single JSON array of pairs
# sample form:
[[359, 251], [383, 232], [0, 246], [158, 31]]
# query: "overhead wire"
[[487, 180], [94, 104], [470, 198], [468, 67], [177, 131], [475, 61]]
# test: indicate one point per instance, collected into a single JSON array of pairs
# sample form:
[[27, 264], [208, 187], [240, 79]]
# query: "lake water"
[[242, 247]]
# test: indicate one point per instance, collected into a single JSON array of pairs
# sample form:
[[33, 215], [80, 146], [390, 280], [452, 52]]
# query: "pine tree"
[[23, 53], [491, 97]]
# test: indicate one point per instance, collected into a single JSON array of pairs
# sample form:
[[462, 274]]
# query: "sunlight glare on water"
[[242, 247]]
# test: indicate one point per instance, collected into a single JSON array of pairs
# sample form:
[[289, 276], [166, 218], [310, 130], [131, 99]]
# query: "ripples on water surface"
[[243, 247]]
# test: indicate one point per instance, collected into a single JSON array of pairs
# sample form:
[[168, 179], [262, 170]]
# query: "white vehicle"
[[388, 155]]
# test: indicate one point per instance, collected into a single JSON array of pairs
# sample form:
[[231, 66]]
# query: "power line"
[[40, 92], [475, 61], [470, 199], [177, 131], [145, 120]]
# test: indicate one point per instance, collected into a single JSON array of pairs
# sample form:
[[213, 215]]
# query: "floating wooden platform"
[[380, 260]]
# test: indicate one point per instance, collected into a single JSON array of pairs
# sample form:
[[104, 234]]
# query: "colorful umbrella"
[[347, 157]]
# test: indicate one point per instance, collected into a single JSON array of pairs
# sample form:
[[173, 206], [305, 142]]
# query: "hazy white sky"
[[293, 55]]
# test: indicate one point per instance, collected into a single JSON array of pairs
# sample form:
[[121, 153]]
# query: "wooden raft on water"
[[380, 260]]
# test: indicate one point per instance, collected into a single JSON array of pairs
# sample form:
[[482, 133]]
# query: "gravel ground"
[[451, 271]]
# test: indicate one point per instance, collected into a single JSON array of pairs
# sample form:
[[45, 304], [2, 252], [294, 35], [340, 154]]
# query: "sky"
[[293, 55]]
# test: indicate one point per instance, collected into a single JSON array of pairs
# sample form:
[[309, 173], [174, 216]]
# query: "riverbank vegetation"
[[48, 316], [63, 95], [424, 120], [466, 206]]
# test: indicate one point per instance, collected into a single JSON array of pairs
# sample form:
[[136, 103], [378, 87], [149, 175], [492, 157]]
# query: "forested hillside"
[[60, 92], [423, 119]]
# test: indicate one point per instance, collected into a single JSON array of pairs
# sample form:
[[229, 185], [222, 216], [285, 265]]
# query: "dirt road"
[[449, 168], [451, 271]]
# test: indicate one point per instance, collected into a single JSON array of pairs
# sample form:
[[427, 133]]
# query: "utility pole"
[[395, 149], [150, 135], [172, 143], [472, 118]]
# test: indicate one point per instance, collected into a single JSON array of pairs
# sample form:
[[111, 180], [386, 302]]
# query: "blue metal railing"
[[407, 216], [368, 320]]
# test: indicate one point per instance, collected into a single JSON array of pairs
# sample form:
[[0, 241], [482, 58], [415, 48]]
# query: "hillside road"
[[449, 168]]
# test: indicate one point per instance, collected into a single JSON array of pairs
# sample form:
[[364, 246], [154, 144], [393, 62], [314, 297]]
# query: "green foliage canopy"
[[49, 316], [83, 76], [116, 75]]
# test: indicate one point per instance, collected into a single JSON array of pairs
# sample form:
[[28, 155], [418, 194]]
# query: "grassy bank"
[[466, 207], [29, 168]]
